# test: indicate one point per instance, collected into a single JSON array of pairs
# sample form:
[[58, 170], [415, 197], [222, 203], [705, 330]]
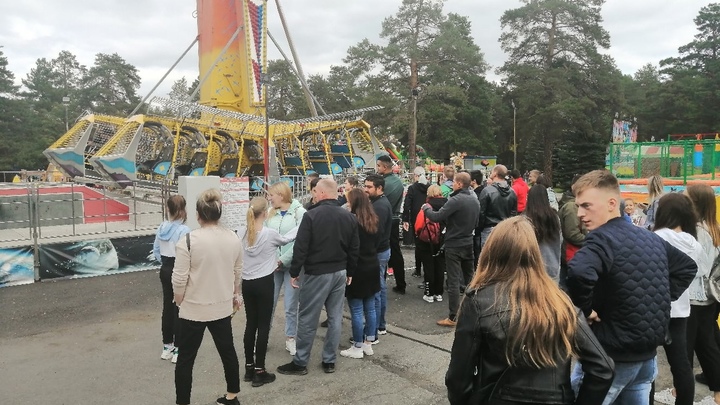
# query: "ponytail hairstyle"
[[258, 206], [176, 208], [209, 205]]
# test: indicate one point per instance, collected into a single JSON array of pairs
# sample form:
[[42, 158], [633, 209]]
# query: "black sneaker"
[[224, 401], [701, 378], [262, 377], [399, 290], [249, 372], [292, 369], [328, 368], [324, 324]]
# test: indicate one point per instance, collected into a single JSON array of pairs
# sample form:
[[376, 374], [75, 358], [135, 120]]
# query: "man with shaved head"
[[498, 202], [327, 246], [460, 216]]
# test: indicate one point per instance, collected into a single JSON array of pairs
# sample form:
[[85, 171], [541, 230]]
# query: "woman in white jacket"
[[675, 222], [703, 312]]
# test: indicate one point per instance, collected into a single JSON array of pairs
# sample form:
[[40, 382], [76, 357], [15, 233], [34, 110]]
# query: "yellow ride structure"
[[227, 133]]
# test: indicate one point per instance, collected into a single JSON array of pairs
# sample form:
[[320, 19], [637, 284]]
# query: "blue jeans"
[[631, 385], [363, 327], [484, 235], [381, 296], [290, 301]]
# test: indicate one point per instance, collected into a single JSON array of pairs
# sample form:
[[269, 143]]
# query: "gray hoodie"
[[261, 259]]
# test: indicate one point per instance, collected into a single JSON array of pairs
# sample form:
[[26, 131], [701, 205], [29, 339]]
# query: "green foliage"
[[557, 77], [110, 86]]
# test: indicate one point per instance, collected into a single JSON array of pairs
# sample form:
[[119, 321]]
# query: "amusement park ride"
[[228, 132]]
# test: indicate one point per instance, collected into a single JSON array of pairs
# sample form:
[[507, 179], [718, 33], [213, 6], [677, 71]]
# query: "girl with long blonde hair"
[[517, 331], [260, 245]]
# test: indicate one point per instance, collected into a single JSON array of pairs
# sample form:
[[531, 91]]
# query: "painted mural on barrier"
[[97, 257], [16, 266]]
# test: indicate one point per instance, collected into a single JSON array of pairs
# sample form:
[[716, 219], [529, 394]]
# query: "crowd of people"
[[531, 282]]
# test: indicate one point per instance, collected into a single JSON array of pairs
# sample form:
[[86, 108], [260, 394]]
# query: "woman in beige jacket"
[[206, 280]]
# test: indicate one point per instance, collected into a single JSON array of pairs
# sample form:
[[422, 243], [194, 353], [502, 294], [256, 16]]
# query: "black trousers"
[[397, 262], [170, 324], [434, 266], [680, 368], [191, 336], [477, 239], [701, 341], [258, 302]]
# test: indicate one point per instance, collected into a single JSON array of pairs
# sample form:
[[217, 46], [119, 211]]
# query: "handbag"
[[712, 280]]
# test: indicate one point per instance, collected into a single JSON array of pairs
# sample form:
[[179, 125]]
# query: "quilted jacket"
[[628, 275]]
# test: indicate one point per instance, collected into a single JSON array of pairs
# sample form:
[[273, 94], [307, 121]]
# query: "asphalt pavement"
[[97, 340]]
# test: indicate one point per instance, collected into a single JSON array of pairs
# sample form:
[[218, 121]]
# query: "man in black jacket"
[[477, 185], [498, 202], [394, 191], [375, 187], [460, 215], [623, 280], [327, 246], [415, 197]]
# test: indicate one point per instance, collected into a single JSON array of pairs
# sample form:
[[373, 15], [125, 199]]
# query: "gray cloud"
[[151, 34]]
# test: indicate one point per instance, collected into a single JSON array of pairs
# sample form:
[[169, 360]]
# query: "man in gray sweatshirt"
[[460, 215]]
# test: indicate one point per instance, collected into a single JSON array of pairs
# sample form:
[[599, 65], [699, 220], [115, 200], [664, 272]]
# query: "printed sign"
[[236, 201]]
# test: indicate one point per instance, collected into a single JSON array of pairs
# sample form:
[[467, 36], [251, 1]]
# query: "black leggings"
[[680, 368], [258, 302], [434, 267], [701, 341], [170, 323]]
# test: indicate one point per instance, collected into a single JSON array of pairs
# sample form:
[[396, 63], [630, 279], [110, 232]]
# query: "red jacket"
[[521, 190]]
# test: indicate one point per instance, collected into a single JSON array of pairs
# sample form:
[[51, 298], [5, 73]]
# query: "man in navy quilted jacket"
[[623, 280]]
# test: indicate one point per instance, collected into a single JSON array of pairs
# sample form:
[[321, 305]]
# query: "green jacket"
[[572, 229], [283, 224], [394, 192]]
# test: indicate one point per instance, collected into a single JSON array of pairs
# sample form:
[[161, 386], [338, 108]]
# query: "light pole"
[[514, 135], [66, 101]]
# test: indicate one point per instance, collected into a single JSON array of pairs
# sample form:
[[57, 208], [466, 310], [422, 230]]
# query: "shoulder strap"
[[187, 241]]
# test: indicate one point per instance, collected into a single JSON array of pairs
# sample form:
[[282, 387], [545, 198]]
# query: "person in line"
[[206, 285], [656, 189], [393, 190], [327, 246], [477, 185], [414, 199], [521, 190], [350, 183], [449, 179], [285, 214], [573, 231], [460, 215], [623, 280], [366, 283], [702, 321], [544, 181], [433, 260], [634, 213], [375, 189], [675, 222], [497, 202], [260, 244], [168, 234], [547, 229], [532, 177], [517, 332], [312, 179]]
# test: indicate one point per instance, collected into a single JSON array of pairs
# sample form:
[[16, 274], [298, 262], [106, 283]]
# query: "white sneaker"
[[175, 355], [290, 346], [382, 331], [353, 352], [666, 397], [167, 352], [367, 349], [705, 401], [428, 298], [438, 298]]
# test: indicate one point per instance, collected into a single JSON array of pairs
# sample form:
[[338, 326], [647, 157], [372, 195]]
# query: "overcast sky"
[[152, 34]]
